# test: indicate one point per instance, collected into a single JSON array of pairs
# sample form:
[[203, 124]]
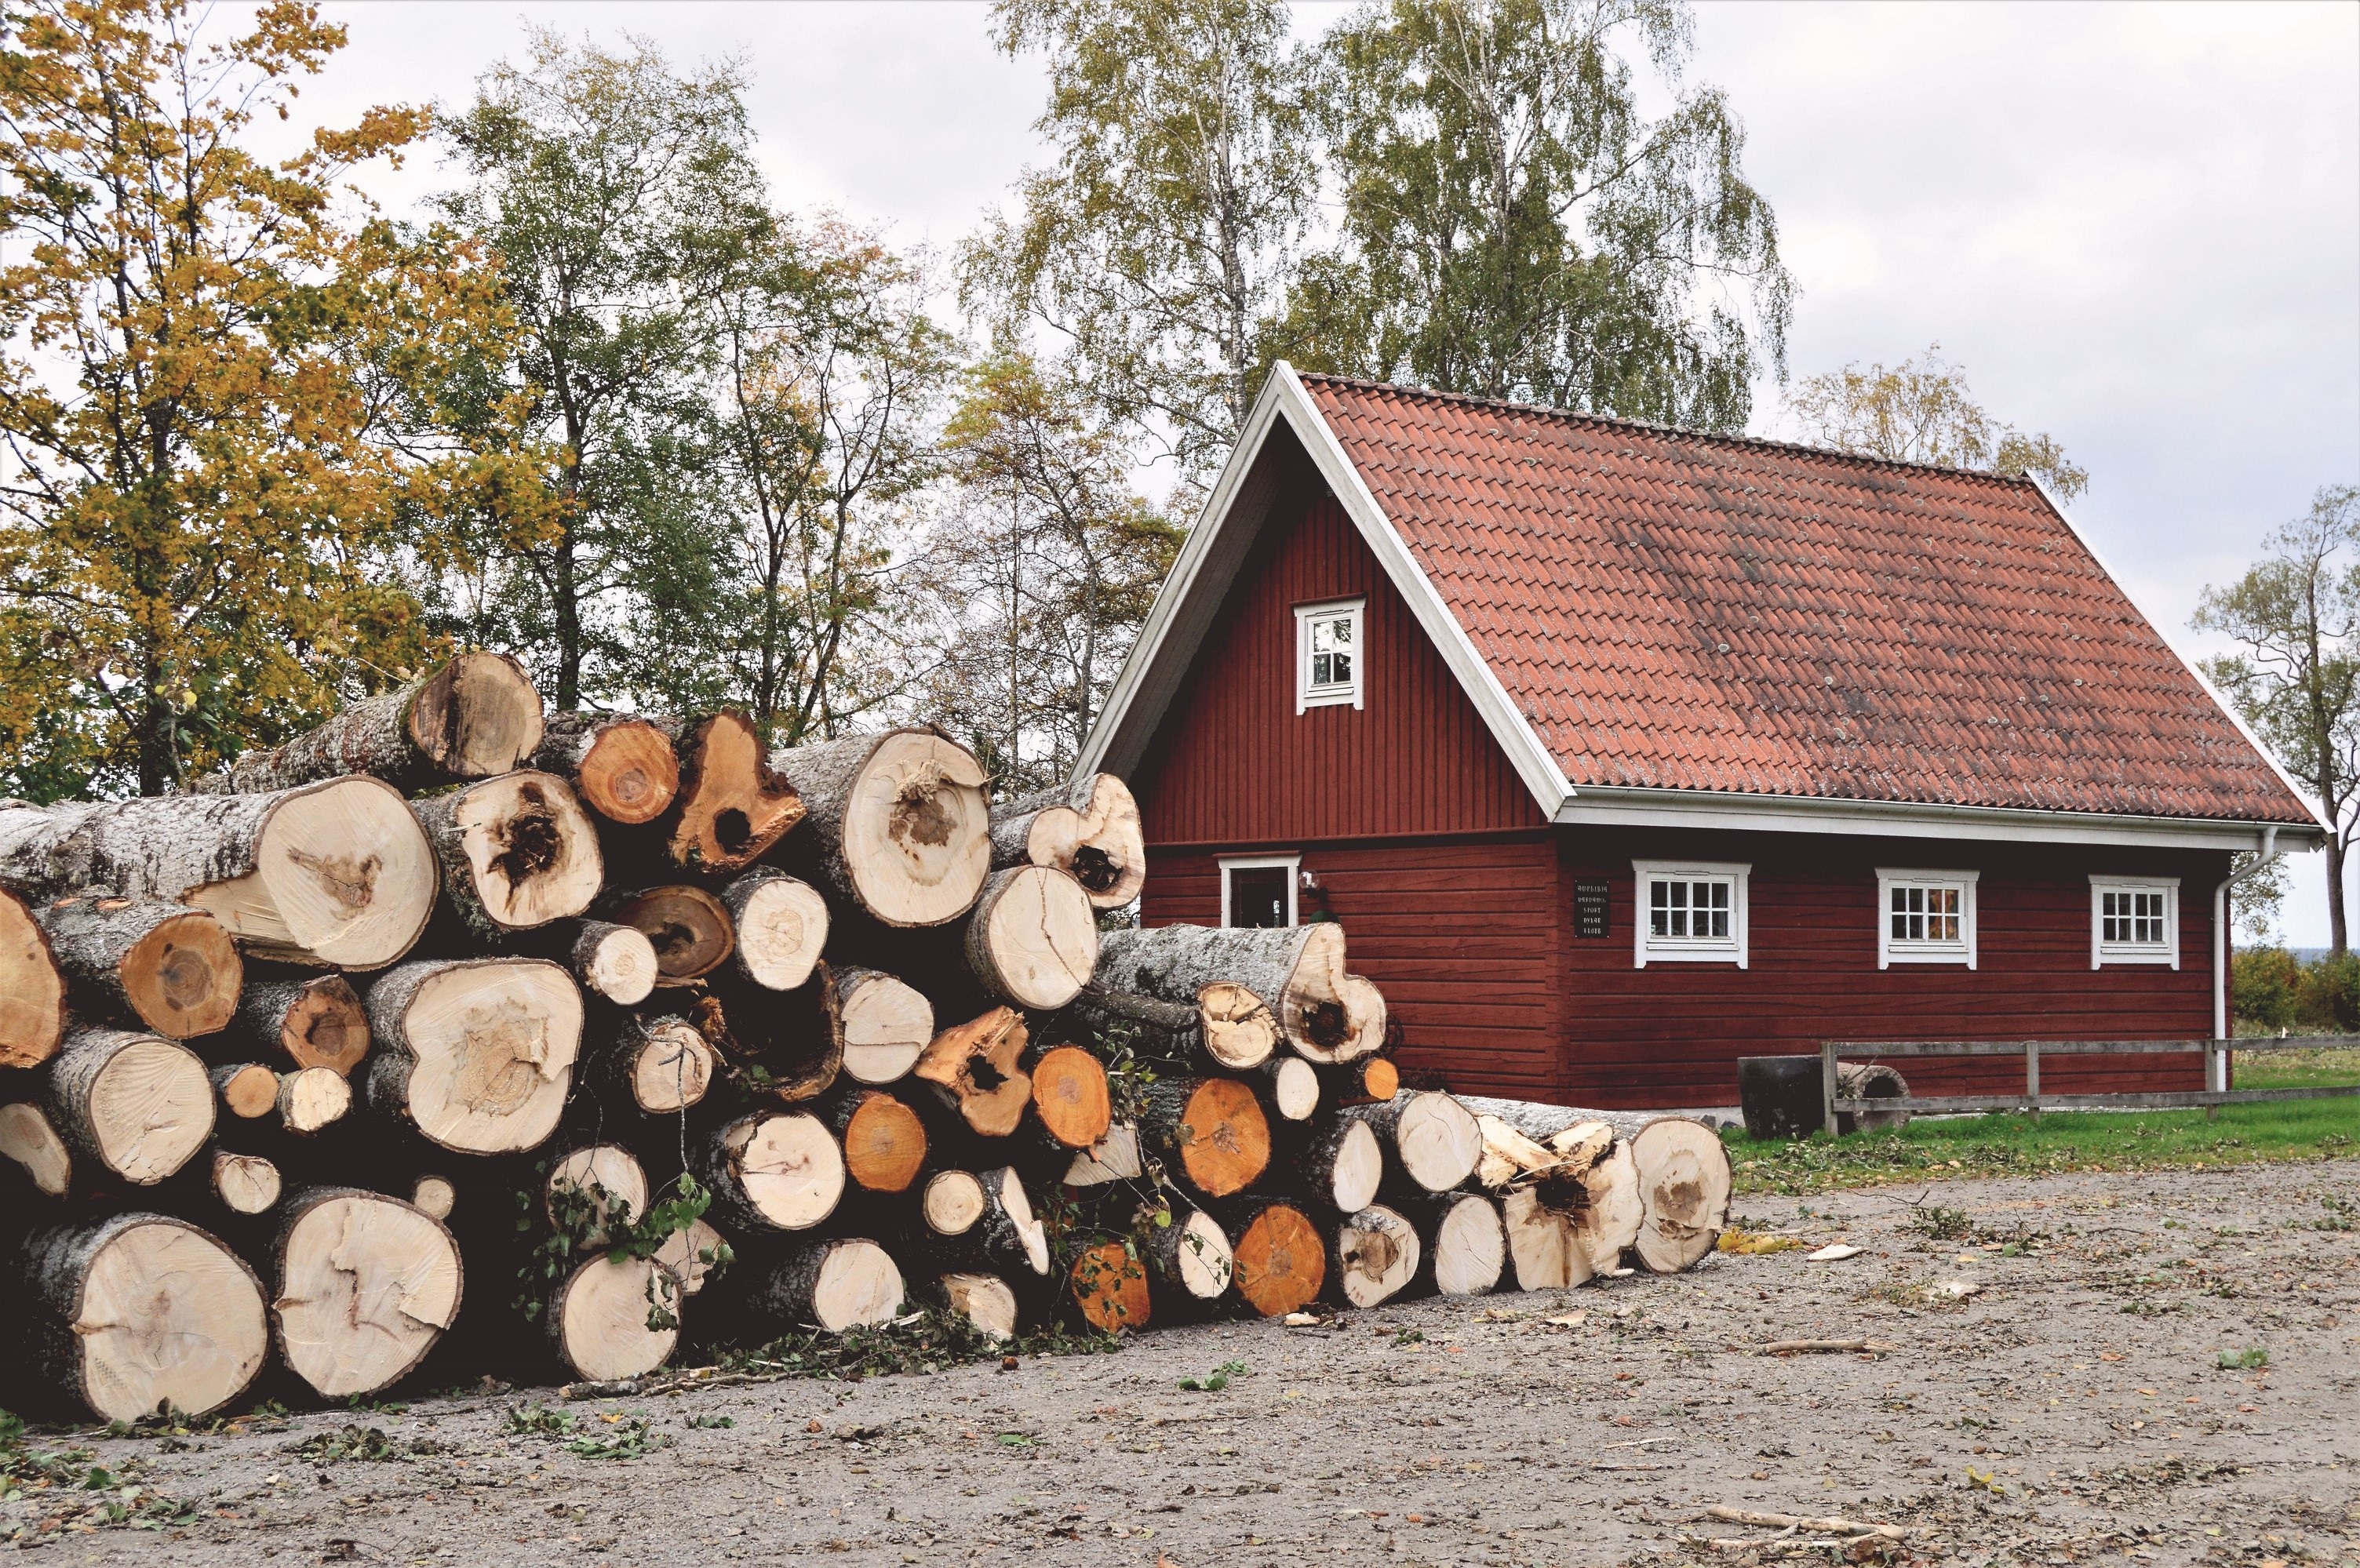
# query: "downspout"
[[2267, 855]]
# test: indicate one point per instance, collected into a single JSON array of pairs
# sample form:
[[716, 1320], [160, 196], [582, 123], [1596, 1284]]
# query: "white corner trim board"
[[2134, 919], [1690, 911]]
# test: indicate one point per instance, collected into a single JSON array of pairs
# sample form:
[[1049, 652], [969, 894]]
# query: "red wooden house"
[[1621, 752]]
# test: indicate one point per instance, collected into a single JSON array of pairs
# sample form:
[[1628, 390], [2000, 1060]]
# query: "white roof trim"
[[1118, 743]]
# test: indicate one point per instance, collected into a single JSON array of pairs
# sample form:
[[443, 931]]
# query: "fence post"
[[1828, 1084], [2212, 1084], [2032, 1077]]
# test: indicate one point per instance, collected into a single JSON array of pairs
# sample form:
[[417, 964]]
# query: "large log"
[[1435, 1141], [1465, 1245], [1190, 1258], [517, 852], [1292, 1086], [475, 717], [367, 1286], [475, 1055], [32, 992], [30, 1138], [772, 1171], [1091, 829], [1342, 1164], [1298, 972], [884, 1142], [734, 804], [316, 1022], [899, 823], [1376, 1255], [135, 1105], [693, 1253], [689, 928], [1684, 1183], [337, 874], [887, 1025], [782, 928], [132, 1312], [1108, 1283], [1210, 1131], [624, 769], [1033, 938], [1070, 1095], [1280, 1260], [976, 1071], [169, 967], [832, 1285], [615, 1316]]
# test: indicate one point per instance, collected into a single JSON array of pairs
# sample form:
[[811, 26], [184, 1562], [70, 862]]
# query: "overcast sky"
[[2137, 227]]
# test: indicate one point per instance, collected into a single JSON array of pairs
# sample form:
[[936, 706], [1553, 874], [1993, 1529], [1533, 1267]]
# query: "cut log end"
[[1615, 1211], [1227, 1143], [1469, 1247], [689, 928], [732, 806], [1034, 937], [1438, 1141], [1204, 1263], [672, 1070], [435, 1197], [165, 1314], [249, 1091], [916, 831], [1114, 1158], [1109, 1288], [1071, 1095], [1379, 1079], [1684, 1181], [606, 1177], [477, 717], [482, 1051], [952, 1202], [32, 991], [1008, 1208], [312, 1098], [1281, 1261], [1377, 1255], [782, 928], [985, 1300], [887, 1026], [1239, 1030], [691, 1254], [976, 1069], [176, 969], [1357, 1172], [629, 774], [1294, 1090], [616, 1316], [143, 1105], [344, 878], [884, 1144], [1542, 1246], [789, 1168], [368, 1285], [838, 1285], [324, 1024], [1100, 841], [617, 961], [27, 1137], [245, 1184], [526, 851]]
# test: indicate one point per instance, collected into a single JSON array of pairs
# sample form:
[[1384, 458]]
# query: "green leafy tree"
[[608, 183], [1921, 411], [1049, 562], [202, 354], [1160, 243], [1514, 223], [2295, 617]]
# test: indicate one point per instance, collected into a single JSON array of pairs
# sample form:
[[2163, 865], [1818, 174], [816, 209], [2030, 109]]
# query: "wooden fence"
[[2032, 1050]]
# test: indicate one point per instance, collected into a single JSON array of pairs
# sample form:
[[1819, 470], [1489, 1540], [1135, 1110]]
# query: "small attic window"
[[1328, 654]]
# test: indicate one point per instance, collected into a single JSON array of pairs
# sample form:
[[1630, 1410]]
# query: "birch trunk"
[[475, 717]]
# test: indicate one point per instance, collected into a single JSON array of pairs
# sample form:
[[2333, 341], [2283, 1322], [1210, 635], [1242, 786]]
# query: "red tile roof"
[[1695, 611]]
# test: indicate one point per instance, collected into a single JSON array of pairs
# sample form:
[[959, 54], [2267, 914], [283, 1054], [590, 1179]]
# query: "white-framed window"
[[2134, 919], [1328, 663], [1689, 911], [1259, 890], [1924, 916]]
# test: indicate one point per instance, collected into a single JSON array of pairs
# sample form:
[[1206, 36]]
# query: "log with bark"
[[1684, 1181], [733, 803], [656, 1065], [32, 992], [1210, 1131], [1033, 938], [1375, 1255], [781, 926], [689, 928], [849, 1282], [591, 1188], [787, 1045], [335, 875], [367, 1285], [475, 1055], [884, 1142], [248, 1090], [314, 1022], [616, 962], [245, 1184], [1108, 1285], [137, 1105], [772, 1170], [1431, 1139], [475, 717], [624, 769], [433, 1196], [693, 1253], [976, 1071], [1070, 1095], [1341, 1165], [1464, 1243], [312, 1099], [1189, 1258], [127, 1314], [517, 852], [1091, 829], [898, 825], [1279, 1259], [1322, 1012], [979, 1221], [986, 1301], [614, 1316], [1292, 1086], [169, 967], [30, 1138]]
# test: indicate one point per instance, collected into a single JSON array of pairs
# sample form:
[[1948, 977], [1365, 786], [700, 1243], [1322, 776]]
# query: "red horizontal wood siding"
[[1234, 763], [1671, 1034], [1462, 936]]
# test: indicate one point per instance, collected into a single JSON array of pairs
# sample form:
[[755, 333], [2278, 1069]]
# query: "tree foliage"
[[1160, 243], [1516, 224], [1047, 563], [203, 355], [2295, 617], [1921, 411]]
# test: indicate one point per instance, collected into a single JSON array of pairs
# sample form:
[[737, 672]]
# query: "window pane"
[[1258, 894]]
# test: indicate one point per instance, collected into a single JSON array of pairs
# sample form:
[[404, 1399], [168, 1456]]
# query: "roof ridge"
[[1611, 420]]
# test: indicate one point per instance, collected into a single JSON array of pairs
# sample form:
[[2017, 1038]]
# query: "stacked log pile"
[[455, 1034]]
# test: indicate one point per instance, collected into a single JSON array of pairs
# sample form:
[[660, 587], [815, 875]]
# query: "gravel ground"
[[2074, 1406]]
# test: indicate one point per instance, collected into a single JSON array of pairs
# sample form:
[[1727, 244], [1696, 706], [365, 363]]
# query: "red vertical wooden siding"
[[1235, 764], [1670, 1033]]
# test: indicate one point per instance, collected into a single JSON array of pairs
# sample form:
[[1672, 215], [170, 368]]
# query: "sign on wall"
[[1589, 909]]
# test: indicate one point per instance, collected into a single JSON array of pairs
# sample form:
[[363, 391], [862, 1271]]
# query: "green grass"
[[2296, 1069], [2008, 1143]]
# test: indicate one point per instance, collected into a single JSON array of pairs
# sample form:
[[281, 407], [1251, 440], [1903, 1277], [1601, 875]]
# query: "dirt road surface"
[[2071, 1406]]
